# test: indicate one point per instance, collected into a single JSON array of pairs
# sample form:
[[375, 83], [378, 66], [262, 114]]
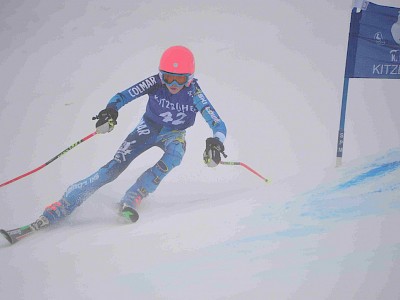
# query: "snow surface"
[[274, 72]]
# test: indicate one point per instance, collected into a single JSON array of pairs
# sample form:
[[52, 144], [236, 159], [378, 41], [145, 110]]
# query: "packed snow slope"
[[336, 241], [274, 72]]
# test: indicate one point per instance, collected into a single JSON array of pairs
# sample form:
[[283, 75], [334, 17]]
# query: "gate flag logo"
[[373, 49]]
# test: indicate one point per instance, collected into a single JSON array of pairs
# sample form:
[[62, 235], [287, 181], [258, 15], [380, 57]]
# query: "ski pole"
[[50, 161], [231, 163]]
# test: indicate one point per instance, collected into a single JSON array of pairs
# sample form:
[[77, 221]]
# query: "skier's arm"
[[135, 91], [208, 112], [107, 118]]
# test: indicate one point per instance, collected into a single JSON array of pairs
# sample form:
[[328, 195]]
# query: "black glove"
[[212, 154], [107, 119]]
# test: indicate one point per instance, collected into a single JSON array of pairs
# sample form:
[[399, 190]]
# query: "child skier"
[[174, 99]]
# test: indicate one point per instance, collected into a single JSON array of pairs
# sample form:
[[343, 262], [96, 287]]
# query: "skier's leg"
[[174, 146], [81, 190], [135, 144]]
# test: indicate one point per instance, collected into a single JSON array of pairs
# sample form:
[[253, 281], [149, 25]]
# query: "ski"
[[129, 213], [17, 234]]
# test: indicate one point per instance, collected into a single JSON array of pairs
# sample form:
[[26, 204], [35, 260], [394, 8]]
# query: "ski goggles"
[[178, 79]]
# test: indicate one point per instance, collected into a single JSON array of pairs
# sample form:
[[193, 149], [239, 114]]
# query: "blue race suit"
[[163, 124]]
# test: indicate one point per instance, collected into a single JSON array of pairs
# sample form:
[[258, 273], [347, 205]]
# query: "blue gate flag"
[[373, 49]]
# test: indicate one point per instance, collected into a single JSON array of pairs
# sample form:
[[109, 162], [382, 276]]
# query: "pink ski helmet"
[[178, 60]]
